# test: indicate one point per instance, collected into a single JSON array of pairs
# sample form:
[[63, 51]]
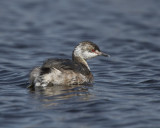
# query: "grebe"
[[65, 71]]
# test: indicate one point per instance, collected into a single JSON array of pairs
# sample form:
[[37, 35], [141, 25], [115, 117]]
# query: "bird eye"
[[93, 50]]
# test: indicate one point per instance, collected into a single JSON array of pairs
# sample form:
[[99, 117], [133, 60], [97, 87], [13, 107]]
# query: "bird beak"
[[103, 54]]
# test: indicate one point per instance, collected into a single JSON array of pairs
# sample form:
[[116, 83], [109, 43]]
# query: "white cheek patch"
[[84, 54], [88, 55]]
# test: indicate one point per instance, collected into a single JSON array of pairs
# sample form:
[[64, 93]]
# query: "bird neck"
[[78, 59]]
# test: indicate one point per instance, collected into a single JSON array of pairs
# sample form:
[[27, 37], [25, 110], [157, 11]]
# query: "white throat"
[[78, 54]]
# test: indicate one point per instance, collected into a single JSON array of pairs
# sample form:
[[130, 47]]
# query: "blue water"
[[126, 89]]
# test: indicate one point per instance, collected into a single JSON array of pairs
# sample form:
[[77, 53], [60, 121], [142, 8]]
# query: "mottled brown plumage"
[[65, 71]]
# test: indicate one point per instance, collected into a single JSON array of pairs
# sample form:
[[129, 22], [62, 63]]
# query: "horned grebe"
[[65, 71]]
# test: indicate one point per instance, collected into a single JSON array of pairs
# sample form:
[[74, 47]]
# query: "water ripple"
[[125, 92]]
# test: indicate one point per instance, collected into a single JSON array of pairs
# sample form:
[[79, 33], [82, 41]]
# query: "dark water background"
[[126, 92]]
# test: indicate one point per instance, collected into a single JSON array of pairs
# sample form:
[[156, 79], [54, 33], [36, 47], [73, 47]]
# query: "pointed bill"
[[103, 54]]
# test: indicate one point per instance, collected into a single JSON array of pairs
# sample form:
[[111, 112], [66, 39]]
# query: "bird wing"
[[63, 64], [58, 64]]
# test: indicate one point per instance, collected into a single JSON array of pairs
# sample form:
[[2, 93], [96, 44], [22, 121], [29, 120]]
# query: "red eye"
[[93, 50]]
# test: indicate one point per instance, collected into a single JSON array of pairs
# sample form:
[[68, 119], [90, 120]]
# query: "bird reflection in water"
[[55, 95]]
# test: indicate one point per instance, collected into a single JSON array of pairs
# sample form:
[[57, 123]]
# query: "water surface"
[[125, 93]]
